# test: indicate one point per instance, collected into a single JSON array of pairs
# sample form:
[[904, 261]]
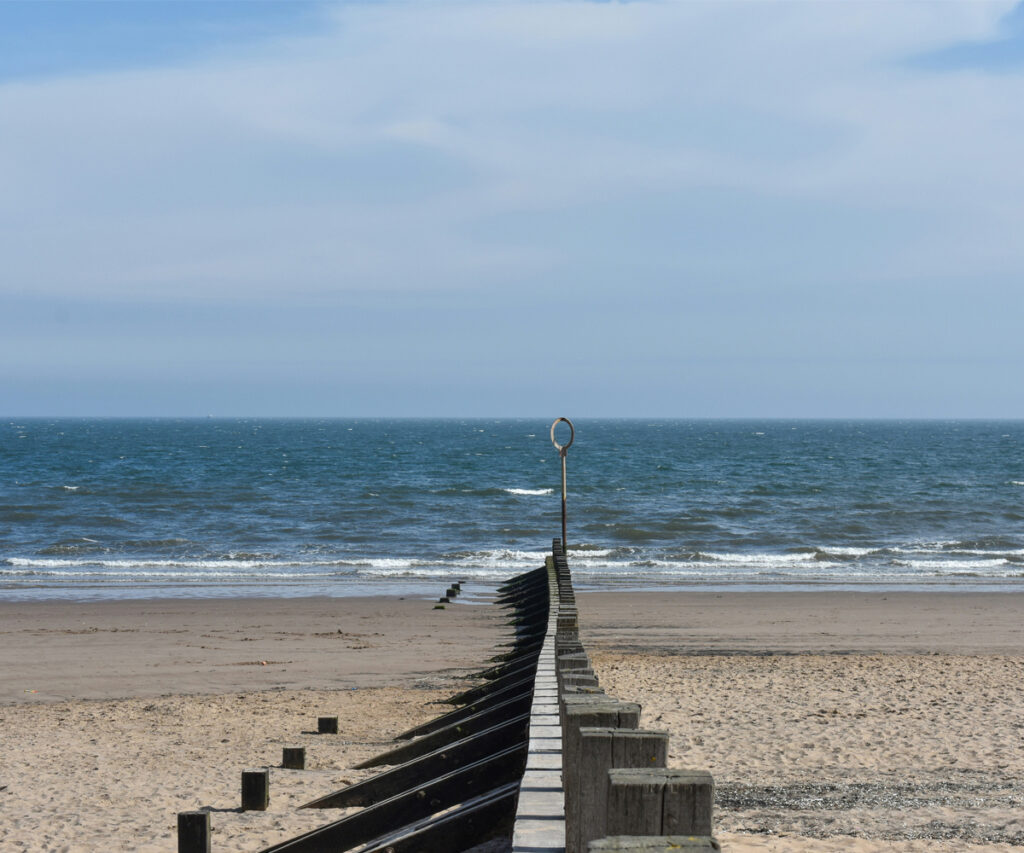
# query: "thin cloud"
[[680, 183]]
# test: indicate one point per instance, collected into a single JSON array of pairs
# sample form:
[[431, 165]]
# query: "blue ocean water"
[[138, 508]]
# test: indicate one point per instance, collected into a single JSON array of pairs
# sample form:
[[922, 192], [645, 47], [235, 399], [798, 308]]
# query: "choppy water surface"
[[119, 508]]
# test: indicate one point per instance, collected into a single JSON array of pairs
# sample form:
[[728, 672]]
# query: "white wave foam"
[[71, 488], [501, 556], [40, 563], [529, 491], [953, 565], [939, 546], [760, 559], [386, 564], [485, 558], [697, 568], [160, 575], [995, 552], [849, 551], [413, 571]]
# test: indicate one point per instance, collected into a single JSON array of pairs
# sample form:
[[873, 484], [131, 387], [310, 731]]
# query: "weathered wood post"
[[327, 725], [598, 751], [255, 790], [293, 757], [660, 802], [570, 661], [193, 832], [578, 712], [579, 678]]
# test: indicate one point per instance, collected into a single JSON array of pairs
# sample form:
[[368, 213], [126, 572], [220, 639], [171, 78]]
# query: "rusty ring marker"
[[572, 435], [563, 452]]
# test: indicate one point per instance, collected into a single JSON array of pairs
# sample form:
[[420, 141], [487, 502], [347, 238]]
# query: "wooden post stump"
[[193, 832], [598, 750], [598, 710], [572, 661], [327, 725], [660, 802], [293, 757], [583, 696], [255, 790]]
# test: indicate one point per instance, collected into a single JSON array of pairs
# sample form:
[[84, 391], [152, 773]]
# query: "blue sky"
[[737, 209]]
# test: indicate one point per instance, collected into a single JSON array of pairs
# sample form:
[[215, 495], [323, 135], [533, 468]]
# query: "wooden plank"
[[660, 802], [526, 671], [374, 821], [455, 731], [601, 749], [470, 824], [526, 689], [421, 770], [688, 803], [513, 665]]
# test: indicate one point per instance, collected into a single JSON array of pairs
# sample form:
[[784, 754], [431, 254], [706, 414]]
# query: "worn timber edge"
[[540, 813]]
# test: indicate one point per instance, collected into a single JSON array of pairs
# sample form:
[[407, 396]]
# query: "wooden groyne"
[[535, 754], [450, 784], [594, 780]]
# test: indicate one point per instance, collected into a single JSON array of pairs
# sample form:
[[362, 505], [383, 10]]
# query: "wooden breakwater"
[[536, 754], [451, 783], [594, 780]]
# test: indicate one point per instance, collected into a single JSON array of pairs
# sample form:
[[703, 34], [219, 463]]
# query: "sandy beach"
[[831, 721]]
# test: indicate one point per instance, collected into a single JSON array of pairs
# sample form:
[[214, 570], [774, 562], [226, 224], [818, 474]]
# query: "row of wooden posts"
[[194, 828], [452, 784], [619, 795]]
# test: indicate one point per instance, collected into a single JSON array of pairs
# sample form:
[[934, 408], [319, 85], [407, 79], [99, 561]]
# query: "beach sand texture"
[[831, 721]]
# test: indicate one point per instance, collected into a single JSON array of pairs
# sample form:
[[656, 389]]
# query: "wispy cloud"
[[678, 156]]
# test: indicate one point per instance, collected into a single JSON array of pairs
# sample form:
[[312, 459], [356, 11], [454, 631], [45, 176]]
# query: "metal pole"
[[565, 544], [563, 452]]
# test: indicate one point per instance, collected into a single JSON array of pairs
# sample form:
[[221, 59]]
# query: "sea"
[[109, 509]]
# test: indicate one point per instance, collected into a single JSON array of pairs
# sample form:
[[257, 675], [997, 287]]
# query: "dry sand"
[[898, 719]]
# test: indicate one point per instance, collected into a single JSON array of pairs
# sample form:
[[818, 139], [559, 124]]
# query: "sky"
[[590, 209]]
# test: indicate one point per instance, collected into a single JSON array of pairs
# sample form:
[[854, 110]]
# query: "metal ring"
[[572, 435]]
